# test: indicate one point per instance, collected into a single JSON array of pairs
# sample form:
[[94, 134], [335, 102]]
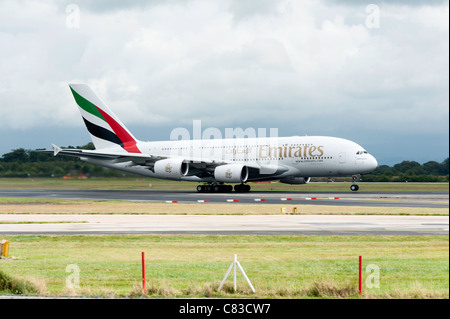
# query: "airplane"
[[214, 163]]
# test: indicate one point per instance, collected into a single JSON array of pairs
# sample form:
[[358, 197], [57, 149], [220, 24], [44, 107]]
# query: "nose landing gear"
[[355, 187]]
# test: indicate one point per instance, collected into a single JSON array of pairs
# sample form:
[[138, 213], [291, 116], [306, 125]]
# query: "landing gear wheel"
[[241, 188], [218, 188], [354, 186]]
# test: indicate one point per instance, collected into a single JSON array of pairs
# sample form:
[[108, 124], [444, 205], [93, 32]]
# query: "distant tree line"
[[411, 171], [32, 163]]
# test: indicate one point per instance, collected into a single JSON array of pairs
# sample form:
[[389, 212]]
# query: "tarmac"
[[233, 224]]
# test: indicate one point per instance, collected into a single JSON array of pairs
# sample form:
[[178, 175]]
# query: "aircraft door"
[[342, 158]]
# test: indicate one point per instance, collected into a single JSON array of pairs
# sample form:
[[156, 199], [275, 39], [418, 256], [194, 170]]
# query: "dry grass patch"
[[124, 207], [21, 286]]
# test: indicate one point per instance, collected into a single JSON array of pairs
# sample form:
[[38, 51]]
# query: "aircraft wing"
[[202, 165], [139, 158], [117, 156]]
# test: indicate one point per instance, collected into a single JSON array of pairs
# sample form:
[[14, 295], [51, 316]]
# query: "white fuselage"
[[276, 158]]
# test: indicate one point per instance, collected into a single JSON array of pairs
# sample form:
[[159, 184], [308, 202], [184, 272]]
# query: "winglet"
[[56, 149]]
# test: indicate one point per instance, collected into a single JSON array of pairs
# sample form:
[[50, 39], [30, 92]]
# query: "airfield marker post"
[[360, 275], [143, 272]]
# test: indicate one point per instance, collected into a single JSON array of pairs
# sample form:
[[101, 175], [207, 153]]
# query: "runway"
[[71, 224], [426, 200], [228, 224]]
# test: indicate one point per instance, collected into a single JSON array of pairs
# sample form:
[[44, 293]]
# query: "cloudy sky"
[[375, 72]]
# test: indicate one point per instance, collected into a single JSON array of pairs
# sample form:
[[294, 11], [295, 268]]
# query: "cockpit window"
[[361, 152]]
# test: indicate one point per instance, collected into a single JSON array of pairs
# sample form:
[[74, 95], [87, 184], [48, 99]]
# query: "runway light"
[[171, 201], [288, 198], [4, 248], [232, 200]]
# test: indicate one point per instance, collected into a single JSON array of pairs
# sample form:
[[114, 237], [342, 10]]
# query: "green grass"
[[194, 265], [157, 184]]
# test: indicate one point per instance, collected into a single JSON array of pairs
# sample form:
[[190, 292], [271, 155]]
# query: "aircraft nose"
[[372, 163]]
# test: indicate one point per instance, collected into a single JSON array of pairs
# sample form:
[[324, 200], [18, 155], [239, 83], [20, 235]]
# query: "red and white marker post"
[[143, 273], [360, 275]]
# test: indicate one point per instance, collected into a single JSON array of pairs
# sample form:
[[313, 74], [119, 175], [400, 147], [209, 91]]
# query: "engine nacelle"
[[231, 173], [173, 168], [295, 180]]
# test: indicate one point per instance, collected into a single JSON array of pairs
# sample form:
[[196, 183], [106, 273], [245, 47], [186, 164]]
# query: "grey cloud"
[[304, 70], [244, 9], [409, 3], [104, 6]]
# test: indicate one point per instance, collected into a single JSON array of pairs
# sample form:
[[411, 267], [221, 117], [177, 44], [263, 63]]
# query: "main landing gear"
[[210, 188], [355, 187], [220, 188], [241, 188]]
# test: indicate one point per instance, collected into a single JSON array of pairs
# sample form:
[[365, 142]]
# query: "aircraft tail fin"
[[106, 130]]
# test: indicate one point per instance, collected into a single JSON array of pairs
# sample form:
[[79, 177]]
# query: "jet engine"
[[295, 180], [173, 168], [231, 173]]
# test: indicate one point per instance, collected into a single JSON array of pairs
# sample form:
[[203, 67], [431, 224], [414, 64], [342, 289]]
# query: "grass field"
[[193, 266], [156, 184]]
